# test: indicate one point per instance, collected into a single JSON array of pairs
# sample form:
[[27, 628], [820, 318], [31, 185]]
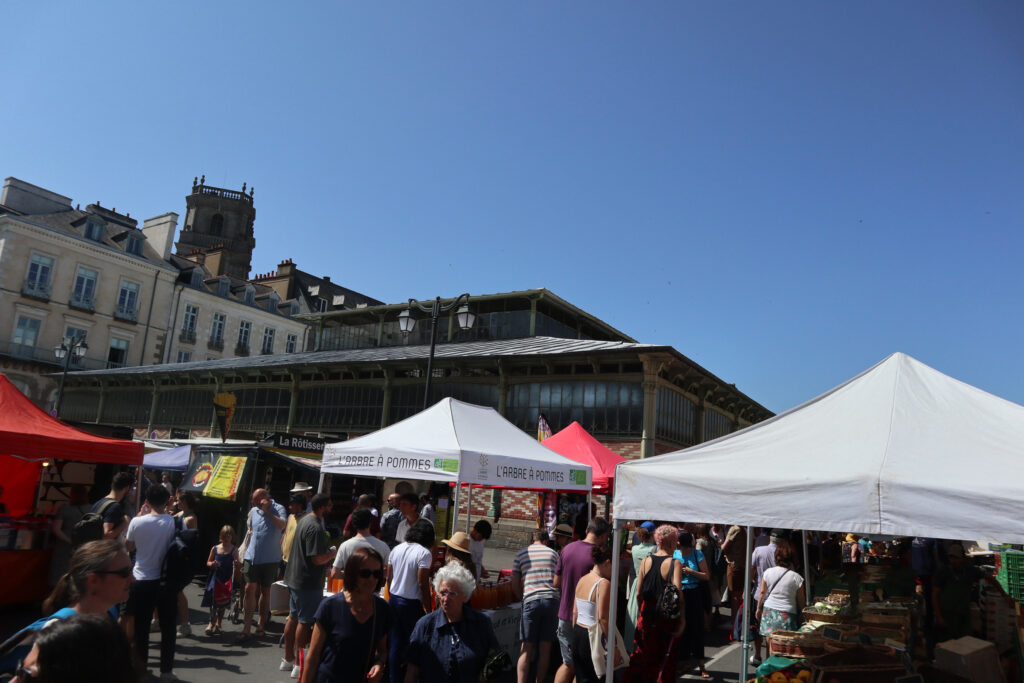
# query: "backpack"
[[183, 557], [90, 526], [668, 600]]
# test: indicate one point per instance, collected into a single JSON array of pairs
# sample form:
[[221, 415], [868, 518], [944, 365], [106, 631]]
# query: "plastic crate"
[[1011, 559], [1012, 581]]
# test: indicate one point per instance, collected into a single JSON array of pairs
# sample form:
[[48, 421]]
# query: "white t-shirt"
[[403, 526], [405, 559], [346, 549], [476, 551], [152, 536], [784, 585]]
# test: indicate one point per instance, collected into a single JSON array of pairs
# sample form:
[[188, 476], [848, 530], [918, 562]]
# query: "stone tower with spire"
[[216, 218]]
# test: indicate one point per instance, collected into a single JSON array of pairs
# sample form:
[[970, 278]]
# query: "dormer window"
[[294, 308], [197, 278], [273, 301], [134, 245], [223, 286], [250, 295], [321, 305], [93, 231]]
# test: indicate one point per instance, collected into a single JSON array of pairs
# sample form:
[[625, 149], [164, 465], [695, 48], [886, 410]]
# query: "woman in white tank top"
[[591, 607]]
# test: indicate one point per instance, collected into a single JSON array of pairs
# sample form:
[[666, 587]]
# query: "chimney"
[[30, 199], [159, 232], [285, 268]]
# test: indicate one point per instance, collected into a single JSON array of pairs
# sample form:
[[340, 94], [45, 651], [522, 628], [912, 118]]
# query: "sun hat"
[[458, 541], [563, 530], [850, 538], [301, 487]]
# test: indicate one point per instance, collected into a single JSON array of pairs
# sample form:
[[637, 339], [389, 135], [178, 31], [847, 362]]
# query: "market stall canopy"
[[456, 441], [171, 459], [28, 432], [576, 443], [900, 449]]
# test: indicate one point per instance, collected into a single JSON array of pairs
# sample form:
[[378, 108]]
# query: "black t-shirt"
[[310, 539], [347, 651], [113, 514]]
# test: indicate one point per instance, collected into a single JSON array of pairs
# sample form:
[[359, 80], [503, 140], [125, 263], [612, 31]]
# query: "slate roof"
[[492, 348]]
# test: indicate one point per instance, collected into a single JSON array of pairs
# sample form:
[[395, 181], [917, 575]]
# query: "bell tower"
[[215, 217]]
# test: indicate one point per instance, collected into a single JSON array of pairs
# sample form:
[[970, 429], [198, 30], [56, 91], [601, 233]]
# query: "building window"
[[196, 278], [37, 282], [321, 305], [217, 332], [217, 225], [244, 332], [293, 308], [93, 231], [250, 295], [84, 293], [184, 356], [117, 355], [291, 343], [26, 333], [223, 286], [268, 340], [134, 245], [273, 301], [188, 324], [127, 302]]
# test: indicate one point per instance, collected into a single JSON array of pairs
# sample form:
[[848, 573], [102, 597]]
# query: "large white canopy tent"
[[460, 443], [900, 449]]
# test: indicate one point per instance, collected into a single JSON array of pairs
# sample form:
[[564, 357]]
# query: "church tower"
[[215, 217]]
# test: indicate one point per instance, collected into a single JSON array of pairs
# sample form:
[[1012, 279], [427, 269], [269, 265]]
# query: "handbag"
[[496, 663], [599, 644], [669, 602], [248, 536]]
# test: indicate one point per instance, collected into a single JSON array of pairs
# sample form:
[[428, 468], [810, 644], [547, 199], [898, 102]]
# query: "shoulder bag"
[[599, 642]]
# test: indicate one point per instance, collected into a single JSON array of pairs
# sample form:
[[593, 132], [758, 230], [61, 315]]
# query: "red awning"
[[575, 443], [28, 432]]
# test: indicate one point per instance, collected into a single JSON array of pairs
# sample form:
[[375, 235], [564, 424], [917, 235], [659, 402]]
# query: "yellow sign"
[[227, 474]]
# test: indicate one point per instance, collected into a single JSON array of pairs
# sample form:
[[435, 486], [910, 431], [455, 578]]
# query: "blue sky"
[[786, 192]]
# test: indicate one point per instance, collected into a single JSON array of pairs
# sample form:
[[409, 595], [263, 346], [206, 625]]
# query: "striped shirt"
[[536, 564]]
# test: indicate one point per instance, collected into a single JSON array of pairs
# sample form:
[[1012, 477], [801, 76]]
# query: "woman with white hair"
[[452, 642]]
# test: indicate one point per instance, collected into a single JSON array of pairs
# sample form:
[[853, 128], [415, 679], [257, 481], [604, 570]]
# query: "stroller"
[[235, 612]]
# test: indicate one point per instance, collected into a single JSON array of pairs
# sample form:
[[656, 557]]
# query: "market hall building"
[[527, 353]]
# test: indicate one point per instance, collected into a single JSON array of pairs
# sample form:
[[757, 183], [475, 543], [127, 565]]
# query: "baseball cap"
[[649, 526]]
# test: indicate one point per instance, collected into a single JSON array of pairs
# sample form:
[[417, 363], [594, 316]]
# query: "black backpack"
[[183, 557], [90, 526], [661, 594]]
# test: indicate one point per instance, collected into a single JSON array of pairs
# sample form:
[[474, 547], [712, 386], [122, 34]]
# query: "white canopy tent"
[[461, 443], [900, 449]]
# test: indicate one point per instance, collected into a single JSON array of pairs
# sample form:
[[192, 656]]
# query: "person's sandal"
[[243, 638], [209, 630], [259, 633]]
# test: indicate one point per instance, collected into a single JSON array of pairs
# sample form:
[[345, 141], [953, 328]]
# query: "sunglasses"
[[367, 573], [22, 673], [123, 572]]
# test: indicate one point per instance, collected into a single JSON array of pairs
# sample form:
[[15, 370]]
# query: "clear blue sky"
[[786, 192]]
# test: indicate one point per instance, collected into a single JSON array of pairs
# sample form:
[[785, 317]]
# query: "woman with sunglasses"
[[350, 632], [83, 647], [96, 581]]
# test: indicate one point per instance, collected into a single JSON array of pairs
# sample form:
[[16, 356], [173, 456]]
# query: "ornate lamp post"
[[69, 348], [407, 323]]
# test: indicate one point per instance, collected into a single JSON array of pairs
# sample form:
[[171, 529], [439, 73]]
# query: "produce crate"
[[1011, 559], [1011, 579], [827, 617], [795, 644]]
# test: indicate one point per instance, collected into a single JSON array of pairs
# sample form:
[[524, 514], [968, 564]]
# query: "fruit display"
[[796, 673]]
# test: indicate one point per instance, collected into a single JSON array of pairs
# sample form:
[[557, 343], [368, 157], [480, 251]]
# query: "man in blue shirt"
[[267, 521]]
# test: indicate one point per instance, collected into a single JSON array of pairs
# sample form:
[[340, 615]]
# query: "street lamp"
[[69, 348], [464, 316]]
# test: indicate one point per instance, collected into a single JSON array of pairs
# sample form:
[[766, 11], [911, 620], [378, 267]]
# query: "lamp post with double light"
[[407, 323], [70, 348]]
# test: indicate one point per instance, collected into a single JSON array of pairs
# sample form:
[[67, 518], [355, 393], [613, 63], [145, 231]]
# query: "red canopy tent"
[[28, 436], [575, 443]]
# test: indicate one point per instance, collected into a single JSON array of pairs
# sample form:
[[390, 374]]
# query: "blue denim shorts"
[[540, 621], [302, 603]]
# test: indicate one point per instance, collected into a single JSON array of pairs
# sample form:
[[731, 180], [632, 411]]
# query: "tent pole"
[[590, 506], [320, 484], [609, 665], [138, 489], [747, 594], [469, 507], [807, 572], [455, 508]]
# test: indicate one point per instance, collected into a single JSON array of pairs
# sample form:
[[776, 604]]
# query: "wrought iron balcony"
[[241, 349], [215, 344], [82, 302], [187, 336], [126, 313], [36, 290]]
